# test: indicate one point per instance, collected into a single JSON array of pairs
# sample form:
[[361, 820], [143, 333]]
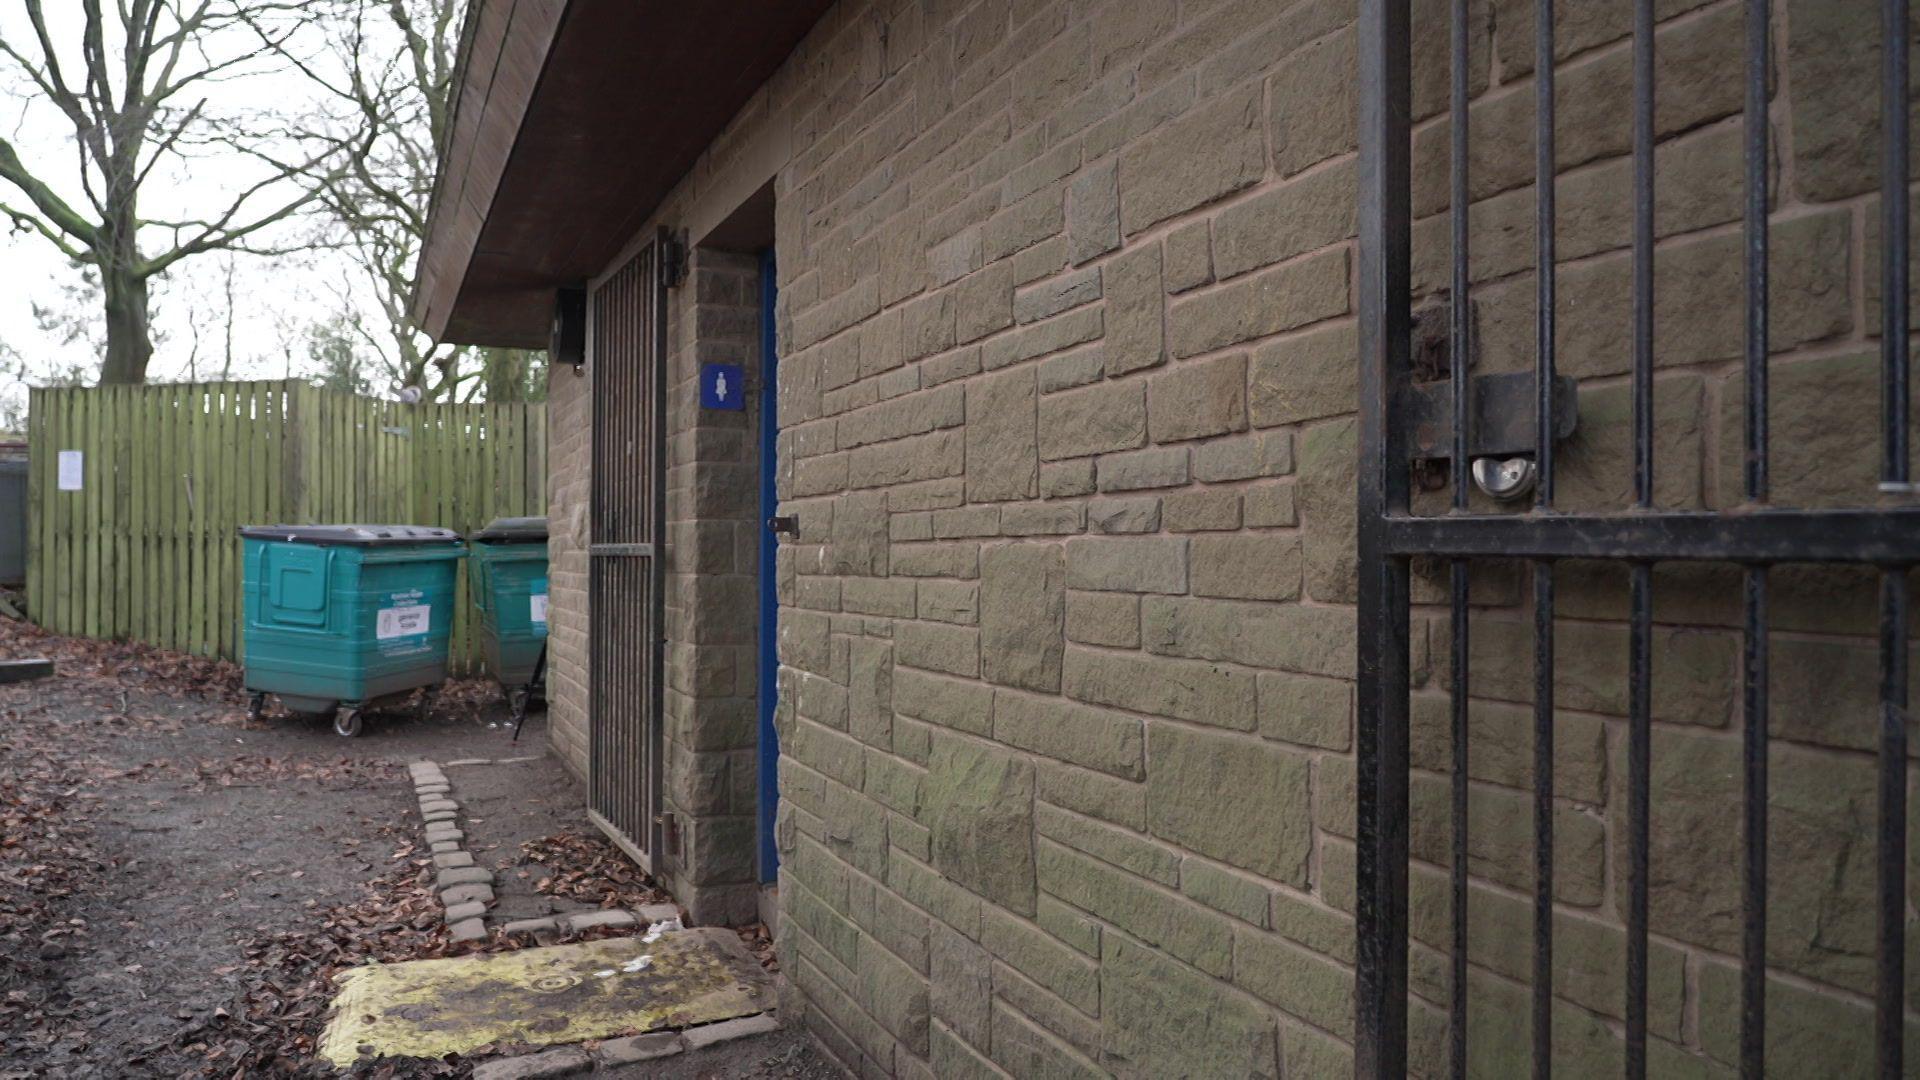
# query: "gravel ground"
[[162, 859]]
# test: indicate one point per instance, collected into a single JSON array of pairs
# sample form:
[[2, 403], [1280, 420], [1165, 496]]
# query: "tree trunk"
[[504, 372], [129, 337]]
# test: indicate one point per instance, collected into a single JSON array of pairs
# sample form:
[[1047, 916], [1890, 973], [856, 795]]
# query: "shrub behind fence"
[[145, 547]]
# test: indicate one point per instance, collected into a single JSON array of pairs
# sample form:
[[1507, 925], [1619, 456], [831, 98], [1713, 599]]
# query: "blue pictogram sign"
[[722, 386]]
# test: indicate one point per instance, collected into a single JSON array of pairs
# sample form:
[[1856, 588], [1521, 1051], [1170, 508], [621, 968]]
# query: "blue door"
[[769, 591]]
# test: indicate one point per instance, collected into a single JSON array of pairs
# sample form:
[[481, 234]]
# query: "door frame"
[[767, 803]]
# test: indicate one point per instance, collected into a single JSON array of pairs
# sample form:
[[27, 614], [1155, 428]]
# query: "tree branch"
[[51, 206]]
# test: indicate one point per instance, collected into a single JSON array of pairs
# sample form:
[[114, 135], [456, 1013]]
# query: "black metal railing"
[[1755, 535]]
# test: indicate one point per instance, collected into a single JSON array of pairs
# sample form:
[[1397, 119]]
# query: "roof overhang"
[[573, 119]]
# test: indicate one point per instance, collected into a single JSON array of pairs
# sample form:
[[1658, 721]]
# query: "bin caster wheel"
[[517, 702], [347, 721], [256, 708]]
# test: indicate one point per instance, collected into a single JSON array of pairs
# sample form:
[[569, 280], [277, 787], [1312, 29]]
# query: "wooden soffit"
[[574, 118]]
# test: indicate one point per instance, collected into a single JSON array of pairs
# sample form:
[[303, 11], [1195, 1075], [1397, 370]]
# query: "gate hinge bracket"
[[1501, 415], [673, 258]]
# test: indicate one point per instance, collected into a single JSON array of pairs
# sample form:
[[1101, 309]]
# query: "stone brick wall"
[[1067, 398], [569, 468]]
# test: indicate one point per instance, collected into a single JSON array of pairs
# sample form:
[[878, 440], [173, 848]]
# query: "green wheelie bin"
[[507, 575], [341, 618]]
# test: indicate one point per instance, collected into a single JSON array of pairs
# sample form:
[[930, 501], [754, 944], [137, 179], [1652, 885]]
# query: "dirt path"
[[176, 883], [171, 876]]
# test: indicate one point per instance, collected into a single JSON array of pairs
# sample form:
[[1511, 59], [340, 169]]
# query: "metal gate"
[[1399, 410], [627, 630]]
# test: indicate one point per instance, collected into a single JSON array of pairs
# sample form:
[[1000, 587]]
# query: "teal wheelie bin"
[[507, 575], [341, 618]]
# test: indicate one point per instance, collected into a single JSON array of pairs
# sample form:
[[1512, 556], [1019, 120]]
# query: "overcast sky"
[[274, 299]]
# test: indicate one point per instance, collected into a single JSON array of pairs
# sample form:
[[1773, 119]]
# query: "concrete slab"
[[544, 997]]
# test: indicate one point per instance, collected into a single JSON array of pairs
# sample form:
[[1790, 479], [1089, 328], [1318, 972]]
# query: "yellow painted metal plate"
[[558, 994]]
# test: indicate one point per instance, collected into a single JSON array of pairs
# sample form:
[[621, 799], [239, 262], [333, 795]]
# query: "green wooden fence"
[[145, 548]]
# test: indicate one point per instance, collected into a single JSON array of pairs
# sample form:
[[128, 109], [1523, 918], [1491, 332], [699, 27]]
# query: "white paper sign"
[[538, 603], [72, 470], [410, 621]]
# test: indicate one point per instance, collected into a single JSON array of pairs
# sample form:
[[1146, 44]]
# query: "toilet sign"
[[722, 386]]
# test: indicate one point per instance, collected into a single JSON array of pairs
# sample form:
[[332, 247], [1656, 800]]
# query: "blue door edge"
[[769, 745]]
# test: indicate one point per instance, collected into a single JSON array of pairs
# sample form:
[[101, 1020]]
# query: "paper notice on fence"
[[410, 621], [72, 470]]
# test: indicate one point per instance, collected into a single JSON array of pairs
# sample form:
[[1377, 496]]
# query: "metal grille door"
[[1404, 403], [627, 626]]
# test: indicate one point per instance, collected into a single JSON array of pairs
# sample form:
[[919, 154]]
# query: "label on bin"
[[537, 602], [411, 620]]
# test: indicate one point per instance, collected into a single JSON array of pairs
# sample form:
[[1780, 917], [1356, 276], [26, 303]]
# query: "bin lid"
[[513, 530], [352, 535]]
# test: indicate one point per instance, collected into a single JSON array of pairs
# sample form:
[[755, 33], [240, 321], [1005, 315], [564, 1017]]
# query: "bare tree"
[[400, 58], [143, 100]]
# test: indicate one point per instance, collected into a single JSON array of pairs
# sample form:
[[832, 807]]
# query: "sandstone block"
[[1287, 220], [1313, 102], [1287, 296], [1156, 467], [1136, 320], [1271, 836], [1055, 295], [1137, 514], [1202, 693], [980, 807], [1065, 479], [1115, 564], [1189, 258], [1212, 151], [1097, 420], [1095, 618], [1002, 440], [1022, 615], [1304, 378], [1160, 1019], [1093, 213], [1092, 738], [1248, 566], [1195, 400]]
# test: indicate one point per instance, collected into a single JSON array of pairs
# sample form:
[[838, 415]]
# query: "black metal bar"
[[1461, 352], [1542, 818], [1753, 686], [1639, 810], [1457, 1005], [1885, 536], [1754, 736], [1893, 239], [1758, 135], [1640, 661], [1380, 1038], [1643, 207], [1889, 990], [1543, 194]]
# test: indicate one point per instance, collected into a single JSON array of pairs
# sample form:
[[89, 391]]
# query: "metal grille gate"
[[1756, 536], [626, 636]]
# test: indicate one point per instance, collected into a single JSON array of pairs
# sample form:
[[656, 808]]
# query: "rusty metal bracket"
[[1501, 421]]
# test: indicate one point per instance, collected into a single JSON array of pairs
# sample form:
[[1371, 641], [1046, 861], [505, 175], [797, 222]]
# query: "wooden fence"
[[136, 493]]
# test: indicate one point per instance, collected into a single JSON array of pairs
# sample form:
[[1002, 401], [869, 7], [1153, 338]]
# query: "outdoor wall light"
[[568, 344]]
